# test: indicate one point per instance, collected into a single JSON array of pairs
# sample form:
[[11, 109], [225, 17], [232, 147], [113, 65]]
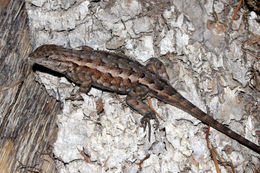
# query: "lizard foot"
[[146, 121]]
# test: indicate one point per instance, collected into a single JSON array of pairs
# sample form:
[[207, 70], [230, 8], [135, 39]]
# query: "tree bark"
[[27, 114]]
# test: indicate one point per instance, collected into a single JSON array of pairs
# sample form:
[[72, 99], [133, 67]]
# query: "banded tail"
[[169, 95]]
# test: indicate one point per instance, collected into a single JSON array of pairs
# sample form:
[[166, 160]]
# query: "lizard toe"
[[146, 121]]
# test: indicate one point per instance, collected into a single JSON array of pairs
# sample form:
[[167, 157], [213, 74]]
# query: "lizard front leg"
[[85, 84], [135, 100], [80, 76]]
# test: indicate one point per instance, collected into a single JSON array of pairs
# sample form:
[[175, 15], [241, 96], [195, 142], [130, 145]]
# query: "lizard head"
[[49, 56]]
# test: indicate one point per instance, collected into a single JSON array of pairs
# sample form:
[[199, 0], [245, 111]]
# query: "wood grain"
[[27, 114]]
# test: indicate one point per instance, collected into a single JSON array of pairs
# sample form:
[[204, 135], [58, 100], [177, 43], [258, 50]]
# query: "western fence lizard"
[[120, 74]]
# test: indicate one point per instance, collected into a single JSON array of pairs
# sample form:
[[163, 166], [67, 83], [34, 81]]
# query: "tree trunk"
[[27, 114]]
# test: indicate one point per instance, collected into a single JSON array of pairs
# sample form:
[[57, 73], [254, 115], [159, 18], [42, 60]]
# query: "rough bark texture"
[[211, 64], [27, 113]]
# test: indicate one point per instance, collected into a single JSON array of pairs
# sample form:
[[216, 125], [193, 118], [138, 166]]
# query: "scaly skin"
[[120, 74]]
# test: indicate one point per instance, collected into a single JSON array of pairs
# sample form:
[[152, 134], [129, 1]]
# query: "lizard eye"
[[159, 87]]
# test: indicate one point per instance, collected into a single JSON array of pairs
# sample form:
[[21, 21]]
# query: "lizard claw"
[[156, 124], [146, 121]]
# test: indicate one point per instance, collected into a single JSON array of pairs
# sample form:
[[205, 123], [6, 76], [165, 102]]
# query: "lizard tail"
[[177, 100]]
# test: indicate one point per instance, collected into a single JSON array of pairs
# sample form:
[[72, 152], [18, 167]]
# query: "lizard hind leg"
[[156, 66], [135, 100]]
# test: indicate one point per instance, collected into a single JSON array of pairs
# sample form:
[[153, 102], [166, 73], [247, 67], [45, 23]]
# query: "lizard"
[[120, 74]]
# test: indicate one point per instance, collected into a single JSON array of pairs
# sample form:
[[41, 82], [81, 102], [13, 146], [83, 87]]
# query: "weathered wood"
[[27, 114]]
